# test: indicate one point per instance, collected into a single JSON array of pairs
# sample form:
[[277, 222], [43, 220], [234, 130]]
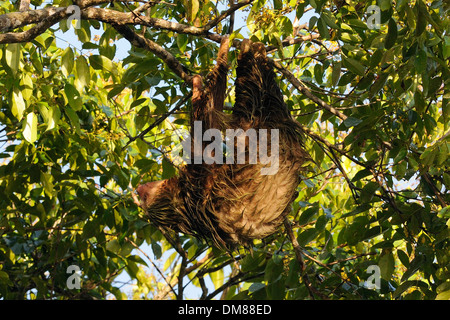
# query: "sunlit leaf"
[[13, 55], [18, 104], [67, 61], [30, 127]]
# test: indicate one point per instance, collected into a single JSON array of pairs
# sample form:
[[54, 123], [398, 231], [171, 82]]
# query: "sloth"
[[231, 203]]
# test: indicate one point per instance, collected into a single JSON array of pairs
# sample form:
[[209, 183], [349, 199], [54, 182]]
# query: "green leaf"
[[256, 286], [83, 33], [357, 23], [273, 270], [443, 291], [13, 55], [329, 20], [413, 267], [286, 26], [376, 58], [384, 4], [408, 284], [157, 251], [4, 279], [300, 9], [117, 89], [30, 128], [253, 261], [27, 84], [83, 76], [67, 62], [321, 223], [113, 246], [74, 120], [277, 4], [73, 97], [403, 257], [306, 236], [168, 169], [357, 230], [368, 191], [292, 279], [90, 229], [354, 66], [323, 30], [47, 182], [387, 266], [391, 36], [430, 123], [378, 84], [53, 117], [45, 113], [362, 208], [446, 49], [352, 122], [447, 180], [18, 104], [420, 61], [194, 9], [307, 215], [361, 174], [318, 73], [443, 295], [421, 14], [102, 63], [401, 155], [182, 41], [371, 233], [336, 73]]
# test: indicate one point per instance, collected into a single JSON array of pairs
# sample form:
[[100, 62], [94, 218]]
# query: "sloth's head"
[[158, 200]]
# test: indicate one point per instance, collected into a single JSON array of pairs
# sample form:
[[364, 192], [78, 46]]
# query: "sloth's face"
[[149, 192]]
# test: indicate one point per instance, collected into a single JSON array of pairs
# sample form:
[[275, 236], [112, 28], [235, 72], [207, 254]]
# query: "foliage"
[[81, 129]]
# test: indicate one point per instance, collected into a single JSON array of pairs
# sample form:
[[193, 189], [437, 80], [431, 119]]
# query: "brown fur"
[[233, 204]]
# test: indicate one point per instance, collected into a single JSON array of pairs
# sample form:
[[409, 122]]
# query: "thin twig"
[[142, 42], [160, 119], [151, 261], [226, 13], [298, 253], [304, 90]]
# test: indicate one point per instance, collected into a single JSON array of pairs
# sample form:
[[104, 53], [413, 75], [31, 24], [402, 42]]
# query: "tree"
[[368, 81]]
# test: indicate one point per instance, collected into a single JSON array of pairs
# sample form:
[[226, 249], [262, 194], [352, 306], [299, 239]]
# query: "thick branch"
[[15, 20], [122, 18]]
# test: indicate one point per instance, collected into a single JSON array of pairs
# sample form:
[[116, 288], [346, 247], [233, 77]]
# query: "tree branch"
[[14, 20], [19, 19], [298, 253], [181, 275], [305, 91], [291, 41], [232, 281], [211, 24], [142, 42]]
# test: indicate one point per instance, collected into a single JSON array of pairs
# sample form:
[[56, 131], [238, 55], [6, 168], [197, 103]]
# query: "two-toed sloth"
[[233, 202]]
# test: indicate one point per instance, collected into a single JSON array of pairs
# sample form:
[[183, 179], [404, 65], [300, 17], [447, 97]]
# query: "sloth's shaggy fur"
[[232, 204]]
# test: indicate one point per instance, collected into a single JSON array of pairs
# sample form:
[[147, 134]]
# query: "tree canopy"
[[81, 128]]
